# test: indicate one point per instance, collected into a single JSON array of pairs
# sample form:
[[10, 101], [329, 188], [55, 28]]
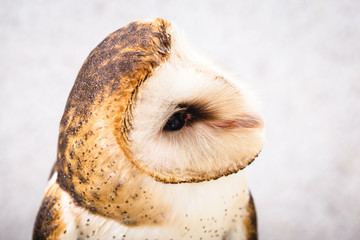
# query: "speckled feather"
[[102, 188]]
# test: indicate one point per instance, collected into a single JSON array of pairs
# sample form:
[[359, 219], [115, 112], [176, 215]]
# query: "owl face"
[[192, 122], [145, 103]]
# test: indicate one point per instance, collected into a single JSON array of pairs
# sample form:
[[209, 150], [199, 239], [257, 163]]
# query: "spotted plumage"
[[152, 145]]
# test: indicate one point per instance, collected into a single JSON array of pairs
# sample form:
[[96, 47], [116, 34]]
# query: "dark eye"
[[176, 121]]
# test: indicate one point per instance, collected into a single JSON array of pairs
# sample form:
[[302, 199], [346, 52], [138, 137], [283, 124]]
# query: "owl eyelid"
[[191, 114]]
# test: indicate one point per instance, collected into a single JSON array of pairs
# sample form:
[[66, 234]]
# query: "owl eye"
[[176, 121]]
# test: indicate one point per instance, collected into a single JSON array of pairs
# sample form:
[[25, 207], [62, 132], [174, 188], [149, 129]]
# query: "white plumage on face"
[[220, 131], [146, 111]]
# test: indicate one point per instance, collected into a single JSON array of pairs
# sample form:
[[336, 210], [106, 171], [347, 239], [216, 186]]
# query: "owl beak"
[[241, 121]]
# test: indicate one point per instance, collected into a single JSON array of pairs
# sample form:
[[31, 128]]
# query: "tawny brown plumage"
[[116, 164]]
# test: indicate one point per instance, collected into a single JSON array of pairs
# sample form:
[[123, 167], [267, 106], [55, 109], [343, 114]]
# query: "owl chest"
[[208, 210]]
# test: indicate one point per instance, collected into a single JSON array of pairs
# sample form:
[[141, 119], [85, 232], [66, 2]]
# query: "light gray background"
[[301, 57]]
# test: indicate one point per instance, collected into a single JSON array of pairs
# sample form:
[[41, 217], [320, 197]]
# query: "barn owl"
[[152, 145]]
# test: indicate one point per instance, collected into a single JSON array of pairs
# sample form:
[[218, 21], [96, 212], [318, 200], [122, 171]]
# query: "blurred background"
[[301, 57]]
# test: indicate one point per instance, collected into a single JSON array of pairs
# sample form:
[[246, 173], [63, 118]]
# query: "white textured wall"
[[302, 57]]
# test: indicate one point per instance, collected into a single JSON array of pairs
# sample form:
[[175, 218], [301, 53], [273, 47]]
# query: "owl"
[[152, 145]]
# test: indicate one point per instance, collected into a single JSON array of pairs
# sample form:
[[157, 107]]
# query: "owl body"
[[152, 145], [207, 210]]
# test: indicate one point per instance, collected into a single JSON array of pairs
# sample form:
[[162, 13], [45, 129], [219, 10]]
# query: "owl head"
[[190, 121], [145, 99]]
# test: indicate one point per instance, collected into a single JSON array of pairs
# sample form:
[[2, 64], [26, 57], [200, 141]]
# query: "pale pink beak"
[[242, 121]]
